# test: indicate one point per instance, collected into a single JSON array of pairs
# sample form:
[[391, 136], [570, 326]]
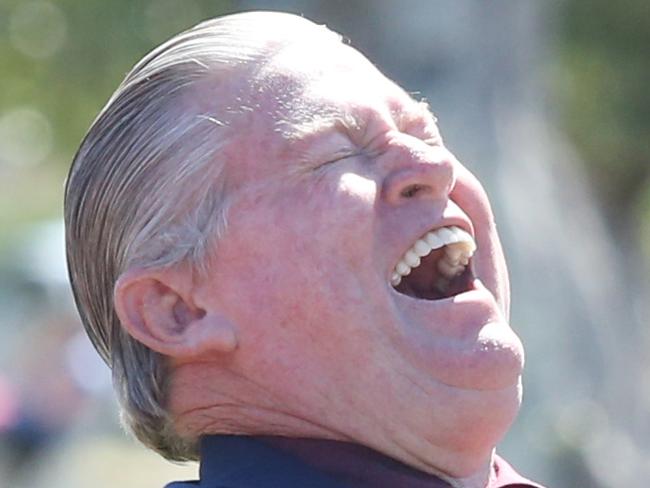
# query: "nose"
[[418, 171]]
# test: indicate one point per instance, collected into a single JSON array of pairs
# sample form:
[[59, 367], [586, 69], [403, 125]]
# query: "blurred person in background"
[[290, 276], [43, 399], [54, 376]]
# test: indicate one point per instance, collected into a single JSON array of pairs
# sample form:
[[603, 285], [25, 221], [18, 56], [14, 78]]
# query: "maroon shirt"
[[506, 476]]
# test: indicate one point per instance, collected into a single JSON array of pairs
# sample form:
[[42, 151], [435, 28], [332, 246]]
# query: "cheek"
[[358, 190], [303, 257], [329, 222], [346, 217]]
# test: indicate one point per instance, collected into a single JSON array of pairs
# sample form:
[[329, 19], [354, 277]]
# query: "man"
[[289, 274]]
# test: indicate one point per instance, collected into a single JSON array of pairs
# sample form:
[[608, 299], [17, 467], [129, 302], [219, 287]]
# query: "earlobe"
[[157, 309]]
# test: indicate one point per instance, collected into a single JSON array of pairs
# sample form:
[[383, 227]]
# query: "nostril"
[[412, 180], [411, 190]]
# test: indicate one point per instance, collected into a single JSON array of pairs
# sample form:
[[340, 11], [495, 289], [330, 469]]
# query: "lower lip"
[[463, 340]]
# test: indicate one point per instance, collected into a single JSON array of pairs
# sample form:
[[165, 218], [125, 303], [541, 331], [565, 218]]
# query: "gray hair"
[[146, 190]]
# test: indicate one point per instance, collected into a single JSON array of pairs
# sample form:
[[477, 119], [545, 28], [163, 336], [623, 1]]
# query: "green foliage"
[[102, 41], [60, 61], [603, 79]]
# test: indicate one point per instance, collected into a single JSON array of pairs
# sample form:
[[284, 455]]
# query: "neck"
[[225, 403]]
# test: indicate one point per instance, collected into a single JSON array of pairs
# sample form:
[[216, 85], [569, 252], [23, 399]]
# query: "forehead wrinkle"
[[307, 122], [300, 121]]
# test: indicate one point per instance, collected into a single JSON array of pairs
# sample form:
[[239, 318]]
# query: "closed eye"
[[338, 159]]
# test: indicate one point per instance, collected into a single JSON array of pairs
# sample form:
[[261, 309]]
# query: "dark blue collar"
[[277, 462], [247, 462], [243, 462]]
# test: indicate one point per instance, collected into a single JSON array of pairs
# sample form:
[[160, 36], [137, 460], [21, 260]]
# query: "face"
[[333, 178]]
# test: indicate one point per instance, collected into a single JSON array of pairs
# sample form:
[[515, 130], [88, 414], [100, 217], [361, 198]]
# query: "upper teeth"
[[459, 247]]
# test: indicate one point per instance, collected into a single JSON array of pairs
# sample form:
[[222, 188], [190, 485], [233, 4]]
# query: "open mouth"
[[437, 266]]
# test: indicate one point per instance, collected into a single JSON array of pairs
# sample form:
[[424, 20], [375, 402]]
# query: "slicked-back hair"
[[146, 190]]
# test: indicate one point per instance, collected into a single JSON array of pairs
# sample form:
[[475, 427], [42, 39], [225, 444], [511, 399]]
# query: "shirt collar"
[[243, 461]]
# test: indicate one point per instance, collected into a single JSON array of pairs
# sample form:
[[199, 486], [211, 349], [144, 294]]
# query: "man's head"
[[289, 319]]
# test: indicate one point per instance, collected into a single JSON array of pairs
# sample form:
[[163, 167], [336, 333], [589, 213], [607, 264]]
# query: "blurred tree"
[[60, 61], [603, 76]]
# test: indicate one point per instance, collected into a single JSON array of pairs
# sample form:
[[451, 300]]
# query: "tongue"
[[421, 281], [425, 276]]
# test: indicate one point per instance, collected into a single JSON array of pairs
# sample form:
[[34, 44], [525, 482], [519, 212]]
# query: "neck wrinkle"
[[227, 403]]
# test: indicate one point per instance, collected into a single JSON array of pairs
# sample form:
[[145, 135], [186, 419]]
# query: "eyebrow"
[[310, 124]]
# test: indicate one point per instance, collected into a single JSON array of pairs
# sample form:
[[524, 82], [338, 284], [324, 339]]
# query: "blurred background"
[[547, 102]]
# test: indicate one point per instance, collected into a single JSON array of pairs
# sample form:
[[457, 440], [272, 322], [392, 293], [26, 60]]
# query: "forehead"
[[304, 84], [303, 92]]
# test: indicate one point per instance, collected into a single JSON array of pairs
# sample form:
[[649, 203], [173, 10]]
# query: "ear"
[[156, 308]]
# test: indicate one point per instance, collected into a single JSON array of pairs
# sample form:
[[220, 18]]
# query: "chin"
[[484, 419], [489, 415]]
